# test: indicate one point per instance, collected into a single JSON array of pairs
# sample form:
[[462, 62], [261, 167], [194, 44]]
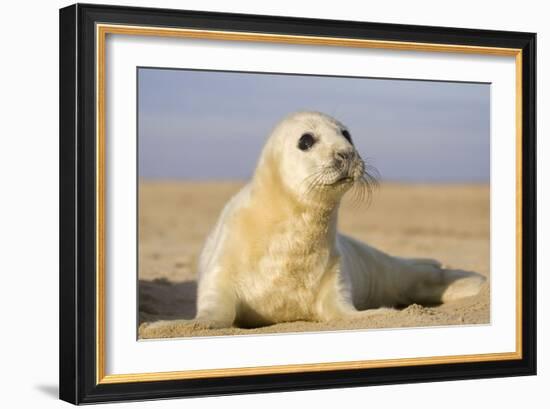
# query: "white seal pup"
[[275, 254]]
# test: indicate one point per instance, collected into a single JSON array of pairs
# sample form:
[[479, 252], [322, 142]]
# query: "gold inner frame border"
[[101, 33]]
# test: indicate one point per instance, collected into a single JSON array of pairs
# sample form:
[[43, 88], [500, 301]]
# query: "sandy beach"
[[446, 222]]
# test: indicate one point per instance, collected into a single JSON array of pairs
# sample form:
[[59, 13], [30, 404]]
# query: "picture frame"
[[83, 191]]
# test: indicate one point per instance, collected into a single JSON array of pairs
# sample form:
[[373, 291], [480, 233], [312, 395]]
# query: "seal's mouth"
[[342, 180], [337, 178]]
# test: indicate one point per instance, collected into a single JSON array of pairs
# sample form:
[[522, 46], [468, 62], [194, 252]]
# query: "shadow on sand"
[[162, 299]]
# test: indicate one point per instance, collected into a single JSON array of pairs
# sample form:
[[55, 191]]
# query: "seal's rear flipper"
[[461, 284], [430, 283]]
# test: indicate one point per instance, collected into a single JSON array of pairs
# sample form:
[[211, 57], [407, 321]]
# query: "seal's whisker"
[[317, 177], [363, 189], [314, 180], [358, 194]]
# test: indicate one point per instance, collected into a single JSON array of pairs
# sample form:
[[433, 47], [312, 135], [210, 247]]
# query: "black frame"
[[77, 204]]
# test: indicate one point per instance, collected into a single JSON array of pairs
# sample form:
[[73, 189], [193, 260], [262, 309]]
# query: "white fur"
[[275, 254]]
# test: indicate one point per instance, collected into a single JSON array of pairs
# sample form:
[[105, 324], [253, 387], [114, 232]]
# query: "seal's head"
[[313, 156]]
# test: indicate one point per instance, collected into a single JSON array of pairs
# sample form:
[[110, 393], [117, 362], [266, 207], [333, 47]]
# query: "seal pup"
[[275, 254]]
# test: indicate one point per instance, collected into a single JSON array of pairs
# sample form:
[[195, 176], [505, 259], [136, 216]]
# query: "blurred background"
[[212, 125]]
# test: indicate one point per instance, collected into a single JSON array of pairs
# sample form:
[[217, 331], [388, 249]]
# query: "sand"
[[446, 222]]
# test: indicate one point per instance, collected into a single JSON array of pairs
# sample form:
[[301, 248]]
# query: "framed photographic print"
[[257, 203]]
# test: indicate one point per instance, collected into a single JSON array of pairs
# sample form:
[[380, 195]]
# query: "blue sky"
[[205, 125]]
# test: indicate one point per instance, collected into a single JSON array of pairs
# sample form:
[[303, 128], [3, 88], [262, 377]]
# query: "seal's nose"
[[344, 155], [343, 158]]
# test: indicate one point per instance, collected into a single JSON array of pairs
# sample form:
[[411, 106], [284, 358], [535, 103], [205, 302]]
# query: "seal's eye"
[[347, 135], [306, 142]]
